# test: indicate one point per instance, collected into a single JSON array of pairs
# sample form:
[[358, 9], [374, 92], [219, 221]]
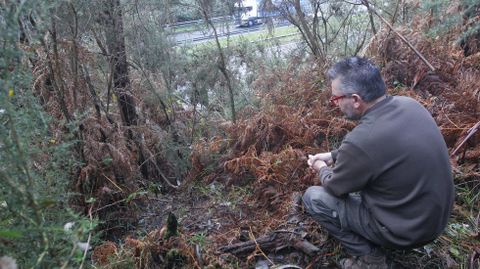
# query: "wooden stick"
[[470, 133], [89, 237], [369, 7], [257, 246], [273, 241], [306, 247]]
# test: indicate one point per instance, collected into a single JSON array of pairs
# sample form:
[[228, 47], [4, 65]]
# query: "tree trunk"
[[118, 58], [222, 64], [297, 17], [309, 36], [370, 16]]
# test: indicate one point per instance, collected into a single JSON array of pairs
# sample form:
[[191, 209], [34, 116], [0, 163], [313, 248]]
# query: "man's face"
[[345, 103]]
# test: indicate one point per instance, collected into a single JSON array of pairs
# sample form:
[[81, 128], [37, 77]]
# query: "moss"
[[175, 259], [172, 226]]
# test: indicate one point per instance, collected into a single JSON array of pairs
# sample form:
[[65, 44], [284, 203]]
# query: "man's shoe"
[[365, 262]]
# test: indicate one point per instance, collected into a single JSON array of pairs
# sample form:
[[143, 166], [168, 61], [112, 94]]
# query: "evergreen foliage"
[[35, 168]]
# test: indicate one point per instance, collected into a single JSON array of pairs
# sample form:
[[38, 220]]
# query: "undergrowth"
[[72, 172]]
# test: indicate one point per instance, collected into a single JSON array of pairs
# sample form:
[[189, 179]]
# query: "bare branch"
[[401, 36]]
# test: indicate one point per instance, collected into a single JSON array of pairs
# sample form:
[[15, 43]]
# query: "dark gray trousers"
[[346, 219]]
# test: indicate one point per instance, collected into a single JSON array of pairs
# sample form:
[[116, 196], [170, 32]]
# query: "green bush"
[[37, 228]]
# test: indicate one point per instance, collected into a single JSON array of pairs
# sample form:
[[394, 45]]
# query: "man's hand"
[[317, 161], [326, 157], [316, 164]]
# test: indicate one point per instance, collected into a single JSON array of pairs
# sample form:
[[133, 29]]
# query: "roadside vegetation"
[[120, 149], [283, 35]]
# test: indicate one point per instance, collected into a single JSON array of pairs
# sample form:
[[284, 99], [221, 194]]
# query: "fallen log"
[[273, 242], [293, 237]]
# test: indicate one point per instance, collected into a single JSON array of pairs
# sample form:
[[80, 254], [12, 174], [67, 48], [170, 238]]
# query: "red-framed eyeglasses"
[[334, 99]]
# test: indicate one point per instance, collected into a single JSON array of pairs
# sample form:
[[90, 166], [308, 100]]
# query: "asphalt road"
[[223, 30]]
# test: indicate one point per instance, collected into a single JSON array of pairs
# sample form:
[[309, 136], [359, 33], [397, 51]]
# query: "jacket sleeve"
[[334, 155], [352, 172]]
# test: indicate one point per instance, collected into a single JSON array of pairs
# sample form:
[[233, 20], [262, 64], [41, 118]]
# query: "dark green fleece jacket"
[[398, 160]]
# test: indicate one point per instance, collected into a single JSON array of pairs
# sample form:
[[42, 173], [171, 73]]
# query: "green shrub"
[[35, 168]]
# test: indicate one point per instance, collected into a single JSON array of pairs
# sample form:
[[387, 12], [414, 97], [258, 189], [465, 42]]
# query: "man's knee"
[[316, 198]]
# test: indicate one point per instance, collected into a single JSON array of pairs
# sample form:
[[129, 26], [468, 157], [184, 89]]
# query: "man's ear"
[[357, 100]]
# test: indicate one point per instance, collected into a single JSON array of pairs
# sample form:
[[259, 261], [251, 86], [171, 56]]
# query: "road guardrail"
[[237, 31]]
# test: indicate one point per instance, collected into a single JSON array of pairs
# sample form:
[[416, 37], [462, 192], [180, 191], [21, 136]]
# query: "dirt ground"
[[214, 216]]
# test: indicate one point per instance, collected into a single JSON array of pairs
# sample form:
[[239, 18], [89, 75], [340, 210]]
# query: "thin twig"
[[110, 205], [89, 237], [257, 246], [111, 181], [446, 116], [286, 231], [159, 170], [470, 133], [72, 252]]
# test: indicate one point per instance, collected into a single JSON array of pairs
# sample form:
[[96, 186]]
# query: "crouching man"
[[392, 184]]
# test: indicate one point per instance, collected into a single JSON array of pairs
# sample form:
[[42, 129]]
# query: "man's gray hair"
[[360, 76]]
